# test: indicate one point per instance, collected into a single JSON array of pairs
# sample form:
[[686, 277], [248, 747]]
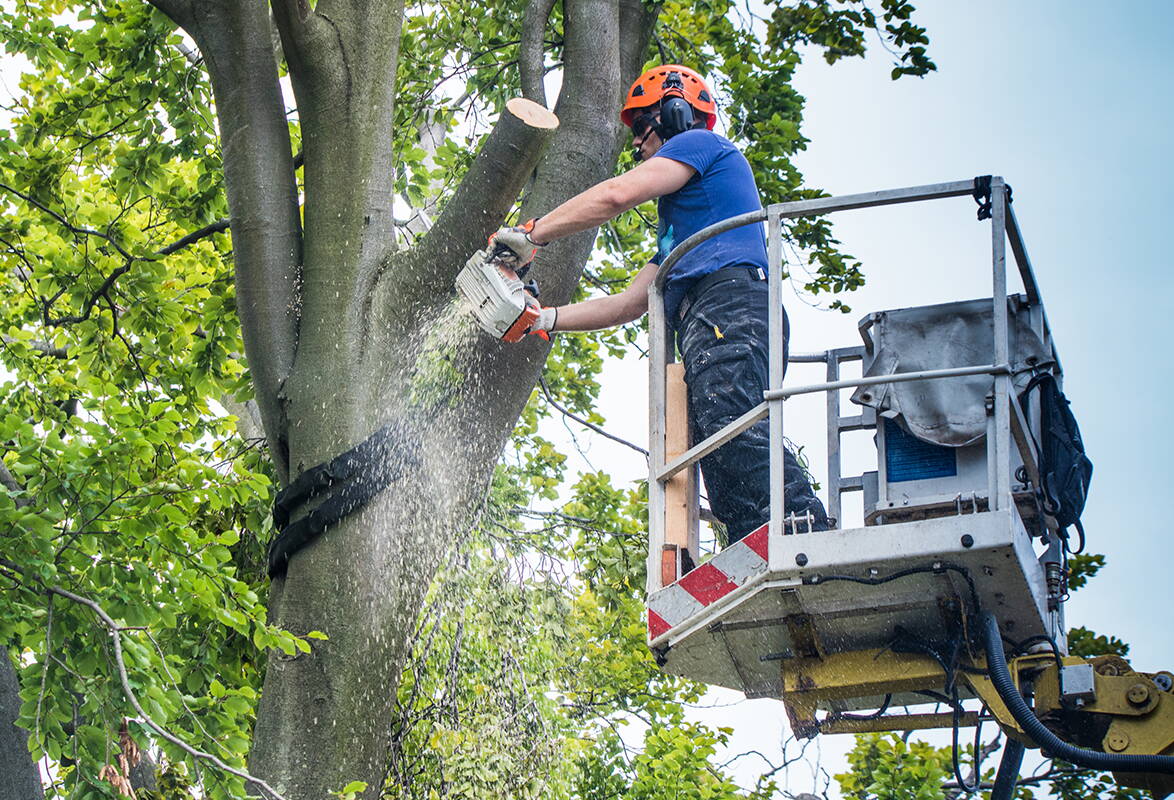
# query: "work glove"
[[513, 247], [541, 319], [544, 325]]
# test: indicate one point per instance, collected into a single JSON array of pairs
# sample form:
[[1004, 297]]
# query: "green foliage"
[[136, 488], [1071, 783], [1086, 643], [887, 767], [1083, 567], [529, 659]]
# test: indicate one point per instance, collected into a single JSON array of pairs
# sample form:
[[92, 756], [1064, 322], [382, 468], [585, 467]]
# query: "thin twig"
[[73, 228], [116, 637], [219, 226], [550, 399]]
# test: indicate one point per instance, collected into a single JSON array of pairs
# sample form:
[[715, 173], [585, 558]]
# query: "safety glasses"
[[642, 125]]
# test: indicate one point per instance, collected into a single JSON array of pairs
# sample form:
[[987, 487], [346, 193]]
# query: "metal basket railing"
[[993, 194]]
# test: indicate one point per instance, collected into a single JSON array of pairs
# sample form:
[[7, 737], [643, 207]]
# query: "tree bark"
[[530, 52], [21, 778], [234, 39]]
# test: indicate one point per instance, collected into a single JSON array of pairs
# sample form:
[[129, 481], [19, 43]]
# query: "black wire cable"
[[874, 715], [937, 697], [1008, 775], [1048, 742], [956, 714], [940, 567]]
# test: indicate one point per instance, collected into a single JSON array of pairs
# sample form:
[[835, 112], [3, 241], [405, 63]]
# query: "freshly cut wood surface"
[[532, 114]]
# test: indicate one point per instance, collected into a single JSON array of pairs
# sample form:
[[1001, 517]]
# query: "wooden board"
[[681, 490]]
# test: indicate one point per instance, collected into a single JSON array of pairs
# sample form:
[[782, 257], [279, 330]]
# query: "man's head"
[[663, 102]]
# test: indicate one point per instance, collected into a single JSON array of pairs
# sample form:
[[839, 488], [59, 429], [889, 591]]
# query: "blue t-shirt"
[[722, 188]]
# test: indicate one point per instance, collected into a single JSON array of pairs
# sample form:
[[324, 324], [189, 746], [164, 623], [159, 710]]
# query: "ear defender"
[[676, 116]]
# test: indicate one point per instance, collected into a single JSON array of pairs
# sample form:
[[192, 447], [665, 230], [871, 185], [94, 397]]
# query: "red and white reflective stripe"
[[707, 584]]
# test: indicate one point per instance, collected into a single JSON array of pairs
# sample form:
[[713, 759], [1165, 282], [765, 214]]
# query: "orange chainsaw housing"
[[522, 324]]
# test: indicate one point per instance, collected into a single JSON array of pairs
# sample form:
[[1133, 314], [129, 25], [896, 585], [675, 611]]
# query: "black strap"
[[982, 196], [702, 284], [352, 480]]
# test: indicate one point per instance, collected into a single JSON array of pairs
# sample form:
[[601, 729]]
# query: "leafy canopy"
[[133, 468]]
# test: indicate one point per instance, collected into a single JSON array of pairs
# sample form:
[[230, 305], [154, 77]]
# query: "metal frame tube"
[[1019, 250], [658, 360], [816, 207], [704, 448], [1001, 492], [900, 377], [777, 365], [832, 401]]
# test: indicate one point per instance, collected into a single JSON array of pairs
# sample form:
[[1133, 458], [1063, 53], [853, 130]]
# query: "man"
[[716, 296]]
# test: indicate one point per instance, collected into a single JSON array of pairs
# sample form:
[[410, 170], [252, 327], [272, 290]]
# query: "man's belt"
[[741, 274]]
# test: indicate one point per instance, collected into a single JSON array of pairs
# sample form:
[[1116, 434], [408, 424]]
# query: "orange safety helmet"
[[656, 84]]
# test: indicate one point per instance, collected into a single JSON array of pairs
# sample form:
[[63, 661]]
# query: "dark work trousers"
[[723, 342]]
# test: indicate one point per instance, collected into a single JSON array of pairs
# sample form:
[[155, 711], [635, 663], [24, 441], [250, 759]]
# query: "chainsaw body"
[[502, 305]]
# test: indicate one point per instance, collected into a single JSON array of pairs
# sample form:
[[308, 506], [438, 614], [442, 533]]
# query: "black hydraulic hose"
[[1008, 775], [1049, 743]]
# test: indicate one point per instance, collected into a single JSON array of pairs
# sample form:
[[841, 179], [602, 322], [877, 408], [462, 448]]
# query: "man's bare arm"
[[607, 312], [595, 206]]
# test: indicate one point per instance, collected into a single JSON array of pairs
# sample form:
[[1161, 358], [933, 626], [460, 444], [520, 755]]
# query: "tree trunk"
[[379, 339], [19, 777]]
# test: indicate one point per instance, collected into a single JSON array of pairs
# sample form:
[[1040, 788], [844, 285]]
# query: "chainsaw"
[[503, 305]]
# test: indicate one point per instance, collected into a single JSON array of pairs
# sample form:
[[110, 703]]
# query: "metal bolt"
[[1138, 694], [1118, 741], [967, 540], [801, 559]]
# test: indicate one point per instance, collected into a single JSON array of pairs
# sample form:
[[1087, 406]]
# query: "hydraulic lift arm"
[[1096, 712]]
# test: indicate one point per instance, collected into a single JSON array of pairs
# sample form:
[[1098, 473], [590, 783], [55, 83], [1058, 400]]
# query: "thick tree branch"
[[180, 12], [9, 482], [295, 22], [605, 42], [22, 780], [46, 349], [235, 42], [342, 57], [530, 55], [480, 203]]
